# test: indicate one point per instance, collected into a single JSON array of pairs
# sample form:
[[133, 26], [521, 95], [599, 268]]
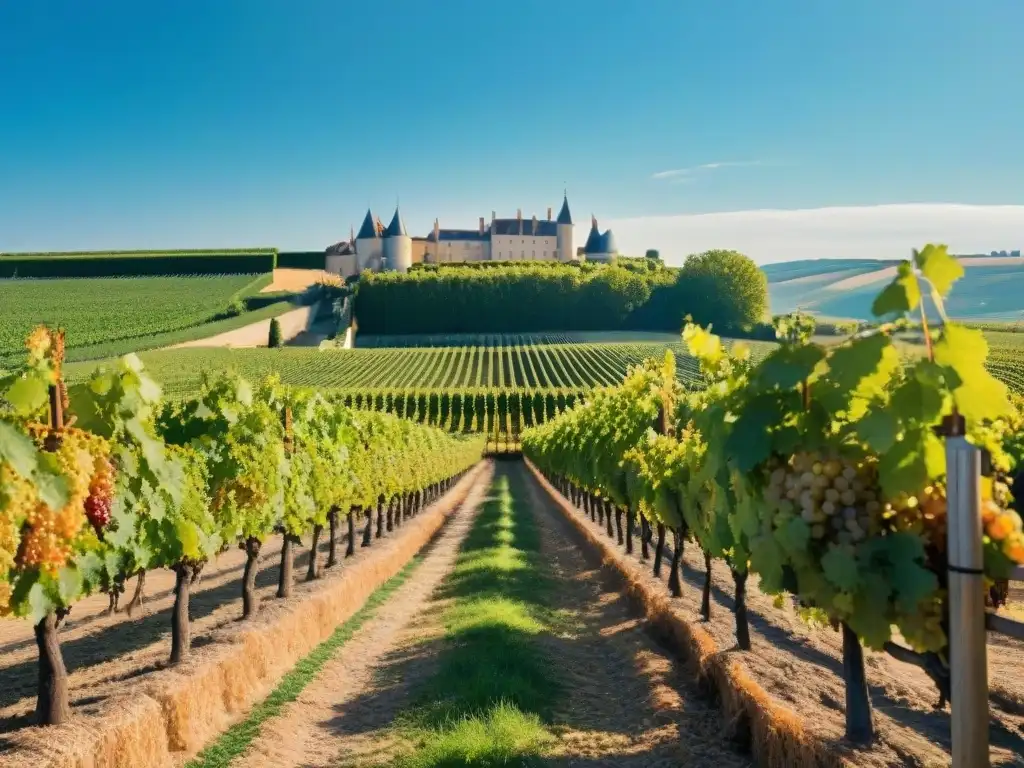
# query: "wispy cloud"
[[677, 175], [671, 174]]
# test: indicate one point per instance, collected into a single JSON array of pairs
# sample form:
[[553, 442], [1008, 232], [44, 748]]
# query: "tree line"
[[723, 288]]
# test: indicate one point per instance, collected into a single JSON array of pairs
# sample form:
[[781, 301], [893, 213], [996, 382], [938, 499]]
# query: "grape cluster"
[[923, 513], [101, 494], [836, 496], [48, 536], [17, 496], [1004, 529]]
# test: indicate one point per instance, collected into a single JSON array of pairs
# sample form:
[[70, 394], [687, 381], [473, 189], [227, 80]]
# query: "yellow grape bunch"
[[35, 536]]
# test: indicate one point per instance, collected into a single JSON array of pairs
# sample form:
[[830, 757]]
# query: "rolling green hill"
[[844, 288]]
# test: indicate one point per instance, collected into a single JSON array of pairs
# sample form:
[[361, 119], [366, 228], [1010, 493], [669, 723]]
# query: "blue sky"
[[259, 122]]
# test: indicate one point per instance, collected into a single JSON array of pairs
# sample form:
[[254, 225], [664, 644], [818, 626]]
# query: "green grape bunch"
[[837, 497]]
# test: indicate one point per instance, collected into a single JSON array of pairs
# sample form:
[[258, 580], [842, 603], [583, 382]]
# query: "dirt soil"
[[626, 703], [325, 723], [801, 667], [297, 279]]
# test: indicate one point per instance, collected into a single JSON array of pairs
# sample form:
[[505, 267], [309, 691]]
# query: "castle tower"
[[564, 232], [369, 249], [397, 245]]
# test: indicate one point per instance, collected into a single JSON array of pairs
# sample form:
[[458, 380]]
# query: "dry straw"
[[775, 734], [168, 716]]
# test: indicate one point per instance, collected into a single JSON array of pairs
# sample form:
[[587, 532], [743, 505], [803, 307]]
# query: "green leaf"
[[917, 401], [941, 269], [794, 536], [912, 580], [17, 449], [912, 462], [189, 539], [878, 429], [863, 359], [750, 442], [870, 616], [902, 295], [90, 567], [787, 366], [27, 394], [840, 568], [767, 559], [979, 395], [39, 602], [69, 584]]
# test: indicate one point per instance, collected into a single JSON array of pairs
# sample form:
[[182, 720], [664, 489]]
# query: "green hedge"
[[302, 260], [513, 299], [137, 264], [719, 287]]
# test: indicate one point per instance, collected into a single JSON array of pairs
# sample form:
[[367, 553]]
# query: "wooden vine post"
[[968, 660], [284, 583], [53, 706]]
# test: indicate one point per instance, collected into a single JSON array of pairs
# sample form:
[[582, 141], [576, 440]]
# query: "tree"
[[653, 255], [275, 333], [724, 288]]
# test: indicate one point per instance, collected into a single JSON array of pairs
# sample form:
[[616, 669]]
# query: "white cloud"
[[678, 174], [671, 174], [878, 232]]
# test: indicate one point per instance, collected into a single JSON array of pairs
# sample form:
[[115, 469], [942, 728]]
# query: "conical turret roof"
[[369, 228], [593, 244], [608, 244], [564, 216], [397, 226]]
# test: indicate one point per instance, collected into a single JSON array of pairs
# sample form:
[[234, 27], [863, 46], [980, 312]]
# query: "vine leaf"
[[979, 395], [787, 366], [941, 269], [908, 465], [17, 450], [878, 429], [840, 567], [27, 395], [39, 603], [902, 295], [917, 400], [870, 615]]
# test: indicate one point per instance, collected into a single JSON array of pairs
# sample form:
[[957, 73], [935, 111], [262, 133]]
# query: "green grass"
[[114, 315], [490, 701], [85, 359], [235, 741]]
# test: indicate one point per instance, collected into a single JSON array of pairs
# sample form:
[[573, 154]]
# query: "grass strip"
[[490, 701], [236, 739]]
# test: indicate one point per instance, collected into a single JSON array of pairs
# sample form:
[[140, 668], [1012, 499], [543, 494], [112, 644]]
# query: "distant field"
[[795, 270], [550, 366], [106, 311], [991, 290], [512, 339]]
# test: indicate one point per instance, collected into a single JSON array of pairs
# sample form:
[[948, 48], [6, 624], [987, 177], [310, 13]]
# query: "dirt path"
[[323, 725], [629, 703], [625, 703]]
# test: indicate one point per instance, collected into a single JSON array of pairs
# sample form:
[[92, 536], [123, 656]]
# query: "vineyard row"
[[104, 480]]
